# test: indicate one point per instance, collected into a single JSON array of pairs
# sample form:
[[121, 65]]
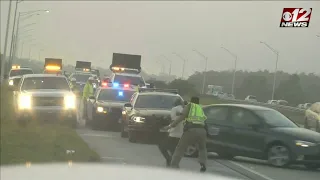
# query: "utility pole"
[[184, 63], [3, 60], [235, 67], [205, 69]]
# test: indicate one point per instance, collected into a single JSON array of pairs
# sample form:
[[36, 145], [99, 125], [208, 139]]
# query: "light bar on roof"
[[15, 67], [53, 68]]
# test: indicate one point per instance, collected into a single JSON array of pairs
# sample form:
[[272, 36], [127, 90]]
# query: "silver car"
[[46, 97]]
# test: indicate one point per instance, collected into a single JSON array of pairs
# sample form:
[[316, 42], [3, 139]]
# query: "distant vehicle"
[[128, 78], [282, 102], [251, 98], [147, 112], [262, 133], [312, 116], [214, 90], [17, 70], [105, 108], [46, 96], [272, 102], [306, 105], [82, 78]]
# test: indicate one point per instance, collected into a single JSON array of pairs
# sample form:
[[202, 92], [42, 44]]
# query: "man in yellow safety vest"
[[87, 92], [194, 133]]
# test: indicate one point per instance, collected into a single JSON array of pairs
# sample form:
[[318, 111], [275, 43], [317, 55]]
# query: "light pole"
[[40, 53], [276, 68], [184, 63], [235, 67], [22, 44], [169, 62], [205, 69], [30, 13], [6, 42]]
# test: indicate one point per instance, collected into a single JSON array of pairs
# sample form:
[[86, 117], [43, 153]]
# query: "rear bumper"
[[49, 113]]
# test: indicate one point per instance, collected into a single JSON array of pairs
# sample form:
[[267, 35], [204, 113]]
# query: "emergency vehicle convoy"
[[45, 96], [52, 66], [16, 72]]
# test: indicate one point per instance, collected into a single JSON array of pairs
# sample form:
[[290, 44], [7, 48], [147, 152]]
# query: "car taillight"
[[126, 85], [104, 84]]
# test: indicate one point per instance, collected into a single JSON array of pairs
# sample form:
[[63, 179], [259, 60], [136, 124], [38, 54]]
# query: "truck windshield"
[[134, 80], [32, 83]]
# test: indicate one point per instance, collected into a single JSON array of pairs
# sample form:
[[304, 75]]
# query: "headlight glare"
[[70, 102], [138, 119], [10, 82], [304, 143], [100, 109], [24, 101]]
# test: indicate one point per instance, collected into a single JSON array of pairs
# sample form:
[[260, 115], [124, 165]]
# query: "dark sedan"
[[105, 108], [262, 133]]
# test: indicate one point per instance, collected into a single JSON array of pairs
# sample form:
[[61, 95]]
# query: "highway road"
[[114, 149]]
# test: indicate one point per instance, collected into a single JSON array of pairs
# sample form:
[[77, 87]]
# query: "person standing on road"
[[170, 142], [194, 133], [87, 92]]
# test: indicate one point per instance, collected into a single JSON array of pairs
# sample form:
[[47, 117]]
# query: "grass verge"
[[38, 143]]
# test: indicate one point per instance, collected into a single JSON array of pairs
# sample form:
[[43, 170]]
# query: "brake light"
[[104, 84], [126, 85]]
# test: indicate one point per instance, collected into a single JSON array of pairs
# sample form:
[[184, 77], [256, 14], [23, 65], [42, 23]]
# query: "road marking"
[[252, 171], [98, 135], [115, 158]]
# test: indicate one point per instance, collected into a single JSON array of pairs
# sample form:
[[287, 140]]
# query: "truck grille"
[[157, 121], [116, 112], [48, 101]]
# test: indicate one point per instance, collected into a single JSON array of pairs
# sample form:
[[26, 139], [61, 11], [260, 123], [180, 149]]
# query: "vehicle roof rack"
[[174, 91]]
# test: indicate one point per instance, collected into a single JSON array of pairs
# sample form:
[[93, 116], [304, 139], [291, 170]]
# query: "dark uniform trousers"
[[168, 145], [190, 137]]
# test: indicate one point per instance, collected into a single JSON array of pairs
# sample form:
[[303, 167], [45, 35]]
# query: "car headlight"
[[70, 102], [24, 101], [10, 82], [304, 143], [138, 119], [100, 109]]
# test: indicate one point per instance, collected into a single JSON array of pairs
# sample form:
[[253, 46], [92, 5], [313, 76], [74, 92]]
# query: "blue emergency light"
[[120, 93], [115, 84]]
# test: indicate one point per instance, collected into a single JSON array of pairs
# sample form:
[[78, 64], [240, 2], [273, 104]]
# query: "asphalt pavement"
[[114, 149]]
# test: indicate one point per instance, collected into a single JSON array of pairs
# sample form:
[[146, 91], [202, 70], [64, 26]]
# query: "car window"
[[134, 80], [243, 117], [216, 114], [155, 101], [274, 118]]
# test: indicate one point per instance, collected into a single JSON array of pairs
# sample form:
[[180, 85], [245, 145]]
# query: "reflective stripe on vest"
[[196, 115]]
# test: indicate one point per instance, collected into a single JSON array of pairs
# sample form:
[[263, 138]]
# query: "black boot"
[[203, 168]]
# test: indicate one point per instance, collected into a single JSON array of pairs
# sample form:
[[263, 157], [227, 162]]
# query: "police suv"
[[127, 76], [105, 107], [45, 96], [16, 72], [147, 112]]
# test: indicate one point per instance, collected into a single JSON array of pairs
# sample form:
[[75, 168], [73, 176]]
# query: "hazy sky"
[[92, 31]]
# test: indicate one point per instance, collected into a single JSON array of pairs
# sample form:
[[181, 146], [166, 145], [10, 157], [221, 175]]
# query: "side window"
[[216, 114], [242, 117]]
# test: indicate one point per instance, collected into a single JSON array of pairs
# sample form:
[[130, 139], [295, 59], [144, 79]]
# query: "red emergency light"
[[104, 84], [126, 85]]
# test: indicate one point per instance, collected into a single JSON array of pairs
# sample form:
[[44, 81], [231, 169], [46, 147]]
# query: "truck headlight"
[[10, 82], [24, 101], [304, 143], [70, 102], [138, 119]]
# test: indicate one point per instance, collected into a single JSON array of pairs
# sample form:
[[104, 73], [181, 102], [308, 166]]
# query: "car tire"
[[278, 155], [132, 136], [123, 133], [191, 151], [312, 166]]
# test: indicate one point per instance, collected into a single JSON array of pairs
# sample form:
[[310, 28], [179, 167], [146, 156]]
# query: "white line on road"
[[116, 158], [252, 171], [98, 135]]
